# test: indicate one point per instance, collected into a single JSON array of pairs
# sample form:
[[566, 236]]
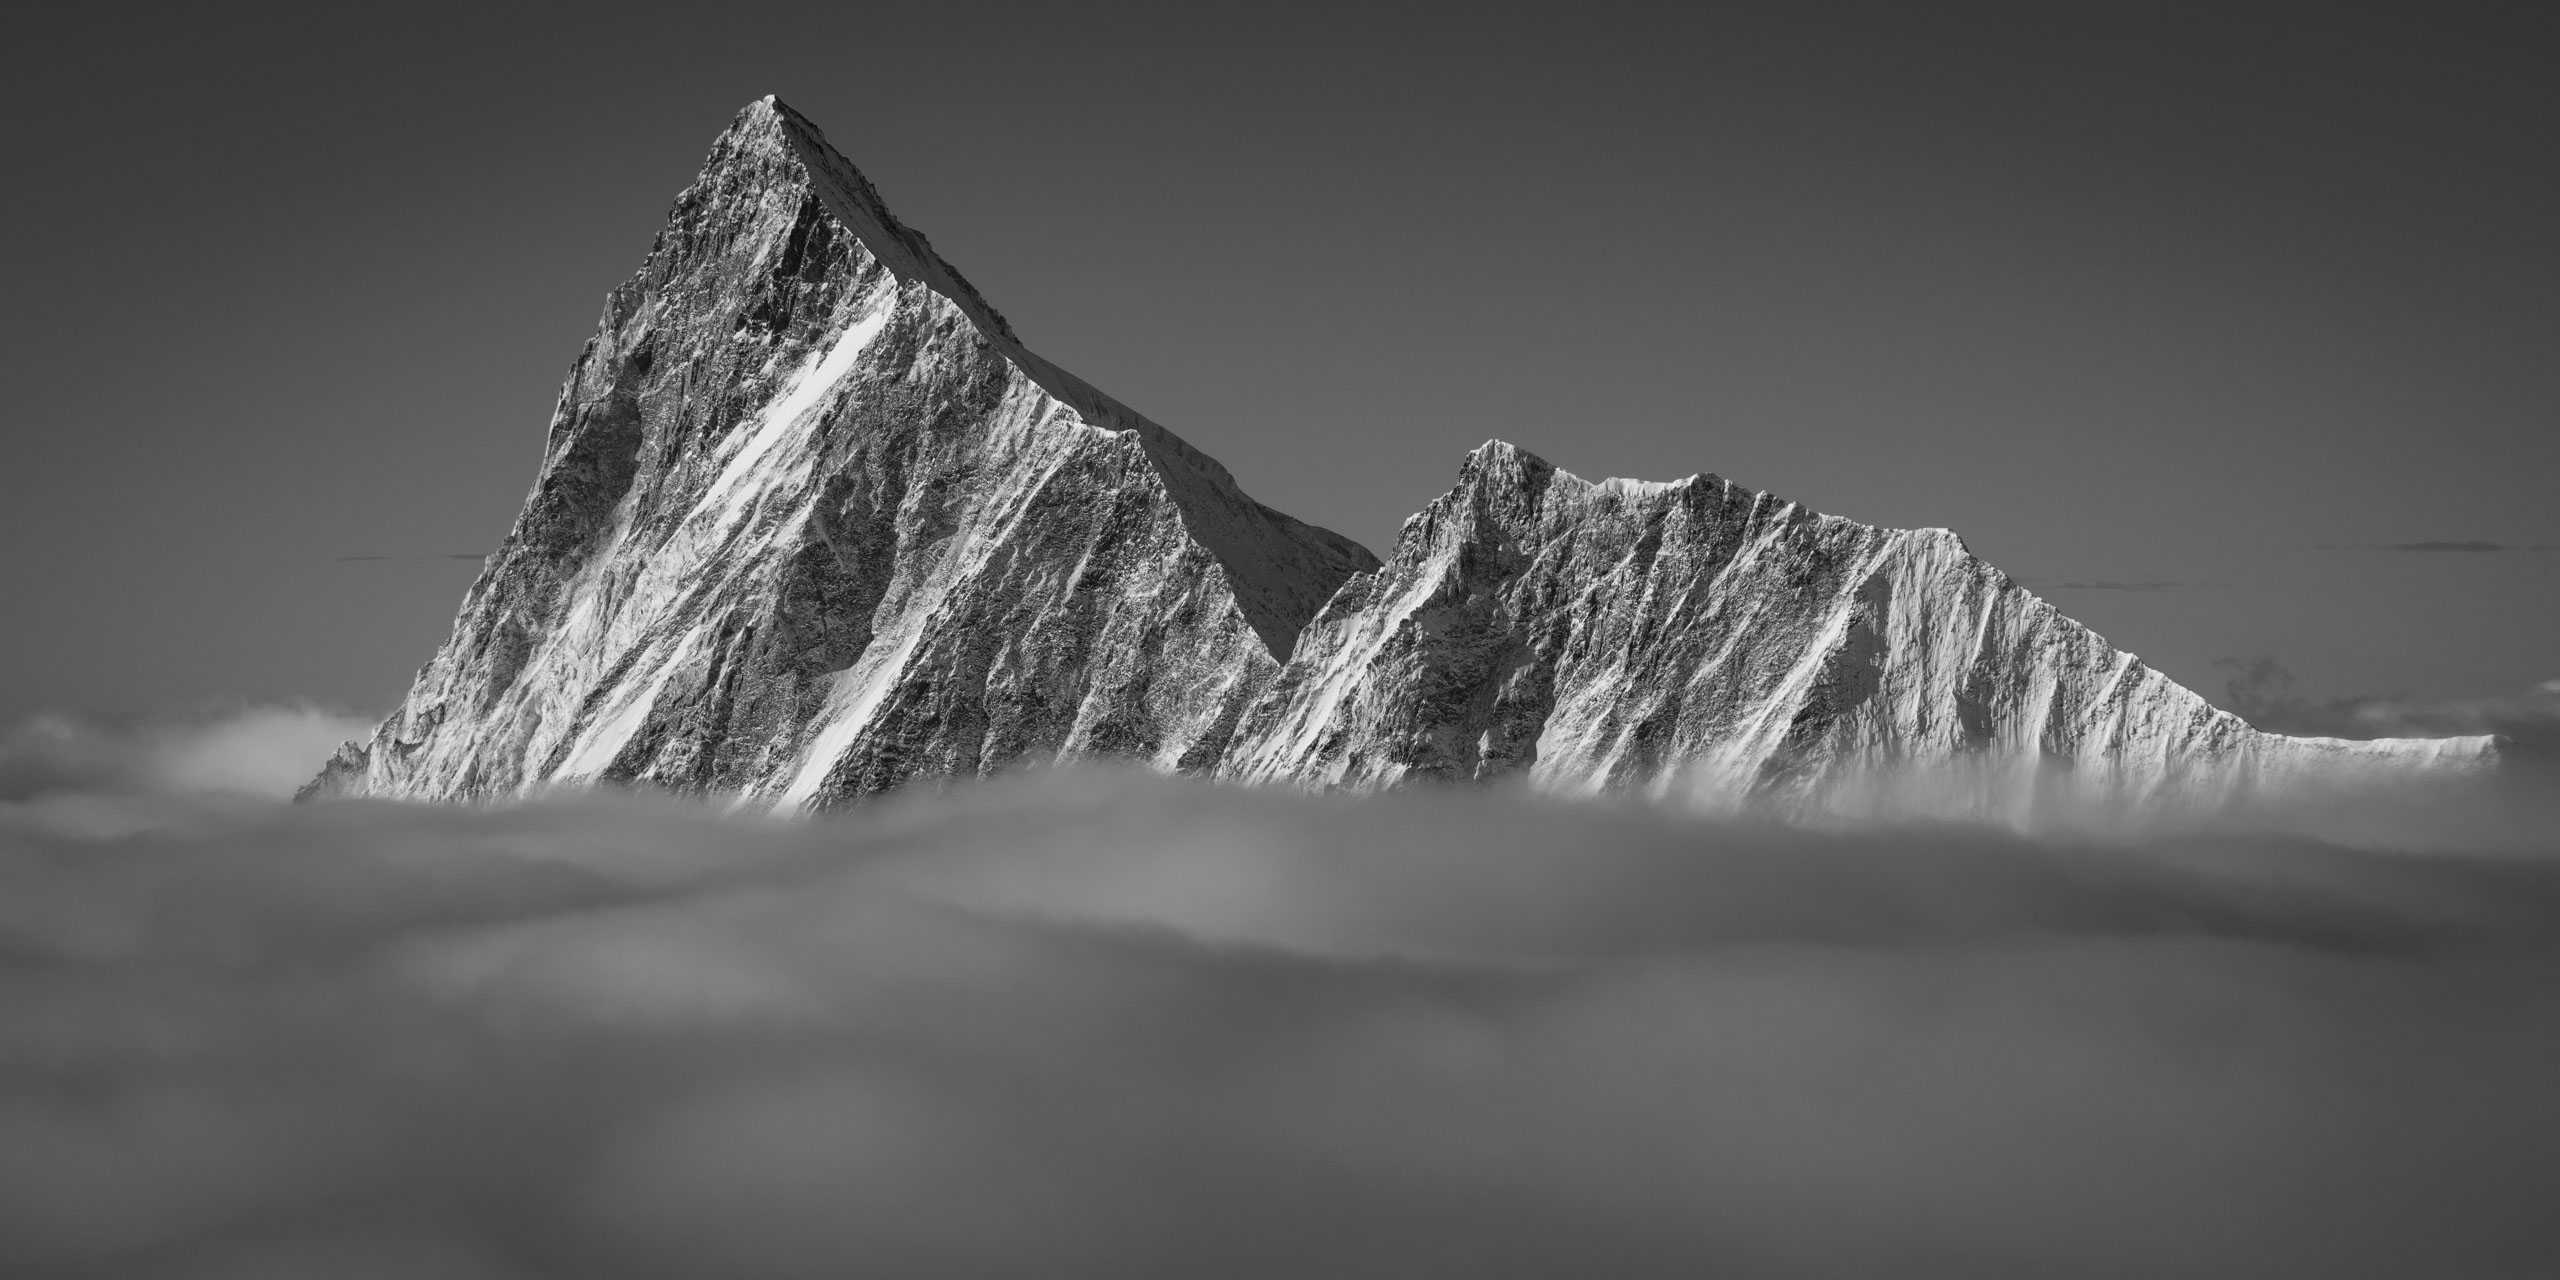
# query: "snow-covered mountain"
[[811, 522]]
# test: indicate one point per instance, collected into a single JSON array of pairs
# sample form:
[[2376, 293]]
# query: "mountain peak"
[[1270, 557], [855, 202]]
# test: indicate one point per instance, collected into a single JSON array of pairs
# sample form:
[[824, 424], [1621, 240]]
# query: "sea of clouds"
[[1098, 1023]]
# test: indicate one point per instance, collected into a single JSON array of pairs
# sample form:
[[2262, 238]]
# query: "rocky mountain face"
[[811, 523], [1702, 642]]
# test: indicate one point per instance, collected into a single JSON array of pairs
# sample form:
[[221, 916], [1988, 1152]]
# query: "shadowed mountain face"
[[811, 522]]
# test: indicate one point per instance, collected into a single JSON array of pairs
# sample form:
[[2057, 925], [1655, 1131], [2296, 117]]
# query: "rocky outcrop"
[[811, 522]]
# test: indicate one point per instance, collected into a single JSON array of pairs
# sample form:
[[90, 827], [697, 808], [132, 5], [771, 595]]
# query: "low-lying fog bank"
[[1097, 1023]]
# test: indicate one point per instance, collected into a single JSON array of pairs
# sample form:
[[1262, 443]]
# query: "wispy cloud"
[[2111, 584], [259, 751], [2261, 690], [2441, 546], [2466, 546]]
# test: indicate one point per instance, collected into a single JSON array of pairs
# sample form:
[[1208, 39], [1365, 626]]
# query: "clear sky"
[[2183, 315]]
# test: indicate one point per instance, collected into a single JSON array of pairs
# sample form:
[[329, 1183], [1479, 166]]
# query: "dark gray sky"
[[2187, 316]]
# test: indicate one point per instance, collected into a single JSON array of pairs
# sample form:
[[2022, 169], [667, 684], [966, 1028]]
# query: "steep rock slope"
[[1704, 642], [811, 522]]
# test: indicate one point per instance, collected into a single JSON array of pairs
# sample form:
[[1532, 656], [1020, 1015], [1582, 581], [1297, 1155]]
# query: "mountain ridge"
[[1704, 642], [813, 522], [1271, 602]]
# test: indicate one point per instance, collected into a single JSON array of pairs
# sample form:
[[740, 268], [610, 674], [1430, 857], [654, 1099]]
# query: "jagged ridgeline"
[[811, 522]]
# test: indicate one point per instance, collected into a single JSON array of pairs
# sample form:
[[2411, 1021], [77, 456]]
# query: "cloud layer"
[[1112, 1025]]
